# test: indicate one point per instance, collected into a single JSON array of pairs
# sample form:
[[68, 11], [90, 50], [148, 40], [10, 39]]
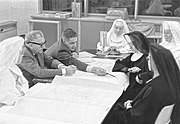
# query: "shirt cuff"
[[139, 80], [89, 68], [63, 71]]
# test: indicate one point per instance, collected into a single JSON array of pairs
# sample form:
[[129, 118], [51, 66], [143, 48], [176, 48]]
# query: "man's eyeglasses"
[[40, 44]]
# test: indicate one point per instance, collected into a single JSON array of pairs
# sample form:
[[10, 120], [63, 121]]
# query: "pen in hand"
[[110, 74]]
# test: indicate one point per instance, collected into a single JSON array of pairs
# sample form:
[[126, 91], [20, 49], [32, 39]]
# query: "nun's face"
[[168, 35], [118, 28], [132, 45]]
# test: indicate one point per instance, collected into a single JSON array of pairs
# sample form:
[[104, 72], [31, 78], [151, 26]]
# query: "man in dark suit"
[[65, 52], [36, 64]]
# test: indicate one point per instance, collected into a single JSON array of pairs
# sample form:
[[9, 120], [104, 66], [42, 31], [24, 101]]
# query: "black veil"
[[169, 87]]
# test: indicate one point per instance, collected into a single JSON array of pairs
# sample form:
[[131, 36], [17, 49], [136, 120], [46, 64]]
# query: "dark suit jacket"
[[62, 53], [38, 66]]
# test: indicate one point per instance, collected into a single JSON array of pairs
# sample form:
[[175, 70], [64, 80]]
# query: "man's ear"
[[63, 40]]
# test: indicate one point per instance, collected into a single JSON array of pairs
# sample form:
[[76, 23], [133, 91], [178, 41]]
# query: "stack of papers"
[[112, 54], [86, 57]]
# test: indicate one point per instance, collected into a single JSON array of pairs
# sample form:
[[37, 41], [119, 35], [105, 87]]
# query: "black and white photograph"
[[89, 61]]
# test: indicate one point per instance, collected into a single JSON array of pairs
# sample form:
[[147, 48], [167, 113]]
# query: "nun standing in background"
[[163, 89], [13, 85]]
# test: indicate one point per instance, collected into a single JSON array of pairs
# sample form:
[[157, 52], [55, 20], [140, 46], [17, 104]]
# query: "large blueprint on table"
[[68, 100]]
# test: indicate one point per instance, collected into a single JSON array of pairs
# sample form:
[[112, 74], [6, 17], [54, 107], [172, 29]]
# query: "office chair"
[[164, 116], [168, 13], [39, 80]]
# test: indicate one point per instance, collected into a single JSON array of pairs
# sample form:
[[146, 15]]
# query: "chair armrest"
[[39, 80]]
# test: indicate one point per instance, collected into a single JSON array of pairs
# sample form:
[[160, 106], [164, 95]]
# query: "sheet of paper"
[[60, 111], [95, 77], [40, 110], [83, 98], [7, 118], [107, 64], [99, 62], [85, 54], [69, 100], [79, 90], [119, 78], [121, 56], [122, 78], [86, 57], [86, 60]]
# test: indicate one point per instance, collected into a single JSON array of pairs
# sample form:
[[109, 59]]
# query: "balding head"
[[32, 36]]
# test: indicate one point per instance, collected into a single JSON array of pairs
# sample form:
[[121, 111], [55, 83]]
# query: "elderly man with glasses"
[[36, 64]]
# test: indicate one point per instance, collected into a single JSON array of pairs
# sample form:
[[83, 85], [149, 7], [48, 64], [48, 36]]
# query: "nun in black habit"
[[161, 90]]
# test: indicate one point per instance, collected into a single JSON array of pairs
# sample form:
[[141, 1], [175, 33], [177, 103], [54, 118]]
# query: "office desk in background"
[[83, 98]]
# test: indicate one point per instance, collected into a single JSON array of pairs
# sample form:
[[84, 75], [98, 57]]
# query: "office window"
[[159, 7], [56, 5], [145, 7], [101, 6], [94, 6]]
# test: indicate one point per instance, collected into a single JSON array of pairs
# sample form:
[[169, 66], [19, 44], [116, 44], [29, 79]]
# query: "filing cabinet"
[[8, 29]]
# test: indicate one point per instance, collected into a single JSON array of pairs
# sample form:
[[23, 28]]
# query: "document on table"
[[107, 64], [85, 54], [119, 79], [69, 100], [85, 57], [100, 62], [83, 98], [56, 111], [80, 90], [8, 118], [86, 60]]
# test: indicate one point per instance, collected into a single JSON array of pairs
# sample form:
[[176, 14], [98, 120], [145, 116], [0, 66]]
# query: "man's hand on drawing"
[[99, 71]]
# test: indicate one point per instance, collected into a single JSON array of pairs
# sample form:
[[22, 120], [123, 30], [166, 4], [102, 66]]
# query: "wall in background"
[[19, 10]]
